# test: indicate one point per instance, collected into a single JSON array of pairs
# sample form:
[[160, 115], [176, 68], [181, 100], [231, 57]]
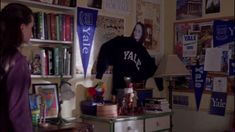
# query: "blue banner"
[[231, 67], [86, 24], [218, 103], [199, 77], [223, 32]]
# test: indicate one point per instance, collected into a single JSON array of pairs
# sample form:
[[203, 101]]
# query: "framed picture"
[[49, 97], [151, 14], [94, 3]]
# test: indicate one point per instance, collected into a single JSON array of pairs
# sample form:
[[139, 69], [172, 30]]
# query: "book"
[[53, 26], [56, 60], [43, 61]]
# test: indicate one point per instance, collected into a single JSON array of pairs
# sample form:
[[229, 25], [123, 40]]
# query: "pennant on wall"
[[199, 77], [218, 103], [86, 23], [231, 67], [223, 32]]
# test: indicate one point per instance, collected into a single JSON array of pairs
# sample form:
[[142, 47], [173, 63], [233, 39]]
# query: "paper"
[[213, 59], [189, 45], [220, 84]]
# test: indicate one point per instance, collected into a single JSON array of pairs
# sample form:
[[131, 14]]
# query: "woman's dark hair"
[[143, 33], [11, 37]]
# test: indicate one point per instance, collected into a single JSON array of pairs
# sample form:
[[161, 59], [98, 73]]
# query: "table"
[[70, 127], [141, 123]]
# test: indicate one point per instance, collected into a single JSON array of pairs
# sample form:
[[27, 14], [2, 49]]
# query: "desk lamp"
[[65, 93], [171, 66]]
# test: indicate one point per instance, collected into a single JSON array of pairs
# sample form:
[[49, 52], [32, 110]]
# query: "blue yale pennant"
[[86, 24], [218, 103], [199, 77]]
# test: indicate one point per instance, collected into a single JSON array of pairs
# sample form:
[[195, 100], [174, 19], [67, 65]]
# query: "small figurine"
[[97, 92], [36, 65], [42, 119]]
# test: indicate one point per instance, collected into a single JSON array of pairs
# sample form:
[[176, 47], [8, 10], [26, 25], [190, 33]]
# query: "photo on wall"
[[149, 33], [188, 9], [212, 6], [94, 3], [149, 13]]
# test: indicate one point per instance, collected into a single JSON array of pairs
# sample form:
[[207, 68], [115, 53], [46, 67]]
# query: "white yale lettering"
[[198, 77], [129, 55], [218, 103], [85, 40]]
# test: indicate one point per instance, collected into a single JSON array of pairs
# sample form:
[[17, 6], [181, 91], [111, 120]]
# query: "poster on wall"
[[149, 13], [189, 45], [106, 29], [94, 3], [116, 6], [212, 6], [218, 103], [188, 9], [223, 32]]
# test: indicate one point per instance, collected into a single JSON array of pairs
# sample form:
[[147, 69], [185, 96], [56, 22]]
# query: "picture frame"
[[49, 95]]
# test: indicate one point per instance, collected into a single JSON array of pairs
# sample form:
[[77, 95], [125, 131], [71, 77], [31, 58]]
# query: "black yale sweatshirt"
[[128, 58]]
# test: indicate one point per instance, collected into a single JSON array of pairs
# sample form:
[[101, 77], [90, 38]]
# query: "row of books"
[[156, 105], [52, 61], [51, 26], [70, 3]]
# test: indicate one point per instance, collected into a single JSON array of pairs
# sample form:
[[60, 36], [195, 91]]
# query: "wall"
[[188, 119]]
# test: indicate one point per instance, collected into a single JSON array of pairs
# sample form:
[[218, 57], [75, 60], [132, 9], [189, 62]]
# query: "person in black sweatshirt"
[[128, 57]]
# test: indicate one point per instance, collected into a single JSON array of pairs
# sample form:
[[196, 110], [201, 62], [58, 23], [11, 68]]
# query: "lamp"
[[169, 67], [65, 93]]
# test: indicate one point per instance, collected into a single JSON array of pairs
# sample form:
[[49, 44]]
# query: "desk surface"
[[123, 118], [70, 127]]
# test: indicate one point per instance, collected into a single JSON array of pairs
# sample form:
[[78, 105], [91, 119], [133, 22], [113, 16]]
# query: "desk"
[[71, 127], [140, 123]]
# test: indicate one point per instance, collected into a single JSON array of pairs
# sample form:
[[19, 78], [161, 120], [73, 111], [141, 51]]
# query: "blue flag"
[[223, 32], [218, 103], [86, 24], [199, 77]]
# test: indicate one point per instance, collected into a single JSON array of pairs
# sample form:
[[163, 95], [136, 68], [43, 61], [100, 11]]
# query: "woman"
[[138, 33], [128, 57], [15, 28]]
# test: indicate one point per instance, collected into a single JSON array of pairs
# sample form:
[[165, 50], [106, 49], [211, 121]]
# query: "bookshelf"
[[50, 53]]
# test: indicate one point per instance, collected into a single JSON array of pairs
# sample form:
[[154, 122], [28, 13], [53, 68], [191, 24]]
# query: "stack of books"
[[156, 105]]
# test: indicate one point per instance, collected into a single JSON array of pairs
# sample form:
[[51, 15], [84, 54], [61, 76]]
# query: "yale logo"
[[218, 102], [129, 55]]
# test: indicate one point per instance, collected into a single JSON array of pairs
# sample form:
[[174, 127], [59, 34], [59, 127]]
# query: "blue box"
[[88, 107], [143, 94]]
